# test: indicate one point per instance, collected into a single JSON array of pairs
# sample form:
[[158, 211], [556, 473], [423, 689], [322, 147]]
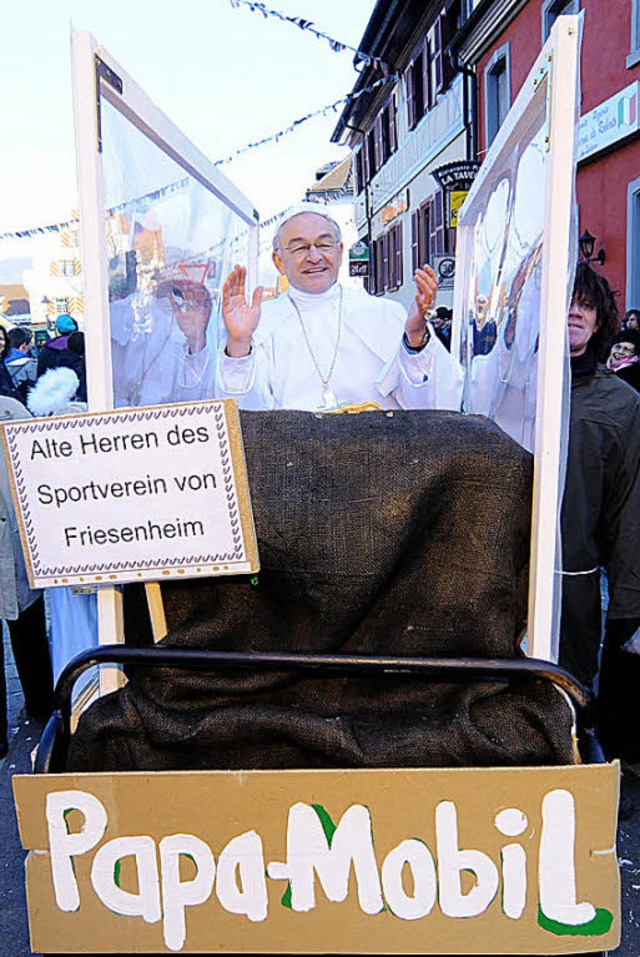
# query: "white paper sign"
[[131, 495]]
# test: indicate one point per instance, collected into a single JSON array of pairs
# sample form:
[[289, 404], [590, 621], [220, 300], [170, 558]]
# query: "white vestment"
[[285, 369], [150, 360]]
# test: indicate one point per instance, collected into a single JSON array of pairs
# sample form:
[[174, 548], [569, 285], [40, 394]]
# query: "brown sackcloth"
[[402, 533]]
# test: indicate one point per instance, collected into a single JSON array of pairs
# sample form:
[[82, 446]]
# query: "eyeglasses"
[[303, 249]]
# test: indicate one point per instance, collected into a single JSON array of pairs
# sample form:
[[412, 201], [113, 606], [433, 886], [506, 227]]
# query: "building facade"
[[499, 41], [409, 118]]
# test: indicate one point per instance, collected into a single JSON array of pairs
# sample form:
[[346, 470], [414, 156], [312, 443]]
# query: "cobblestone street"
[[23, 737]]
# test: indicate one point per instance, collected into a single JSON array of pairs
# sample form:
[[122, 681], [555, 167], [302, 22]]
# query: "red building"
[[500, 39]]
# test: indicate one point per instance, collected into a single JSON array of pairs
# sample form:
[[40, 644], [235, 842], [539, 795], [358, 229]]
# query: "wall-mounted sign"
[[614, 120], [124, 496], [456, 176], [393, 209], [455, 199], [359, 256], [445, 270], [471, 861]]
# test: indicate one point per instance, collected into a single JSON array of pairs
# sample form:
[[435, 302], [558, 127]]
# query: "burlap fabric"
[[384, 533]]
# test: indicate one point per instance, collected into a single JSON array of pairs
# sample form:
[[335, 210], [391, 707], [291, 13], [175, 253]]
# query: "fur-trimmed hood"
[[54, 392]]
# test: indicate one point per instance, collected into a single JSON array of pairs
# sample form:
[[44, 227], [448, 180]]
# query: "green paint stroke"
[[600, 924], [328, 826], [286, 897], [117, 867]]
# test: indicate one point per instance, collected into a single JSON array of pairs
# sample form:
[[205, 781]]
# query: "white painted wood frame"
[[555, 77], [138, 108]]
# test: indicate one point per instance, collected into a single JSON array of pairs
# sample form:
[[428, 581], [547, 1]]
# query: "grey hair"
[[302, 212]]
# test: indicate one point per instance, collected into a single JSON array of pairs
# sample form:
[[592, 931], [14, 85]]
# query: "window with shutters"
[[634, 53], [358, 170], [395, 256], [497, 92], [420, 236], [552, 9], [388, 130], [61, 306], [372, 166], [415, 91], [66, 267], [381, 264]]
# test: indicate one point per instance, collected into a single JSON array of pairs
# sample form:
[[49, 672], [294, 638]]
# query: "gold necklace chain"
[[323, 379]]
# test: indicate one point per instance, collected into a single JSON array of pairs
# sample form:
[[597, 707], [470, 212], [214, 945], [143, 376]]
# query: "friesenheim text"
[[145, 532]]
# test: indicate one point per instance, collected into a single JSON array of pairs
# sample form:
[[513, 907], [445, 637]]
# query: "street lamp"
[[587, 243]]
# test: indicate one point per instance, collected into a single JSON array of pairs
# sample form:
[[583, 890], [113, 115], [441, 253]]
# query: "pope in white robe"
[[322, 346]]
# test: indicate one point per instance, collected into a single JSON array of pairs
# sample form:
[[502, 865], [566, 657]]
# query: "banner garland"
[[144, 202], [332, 107], [309, 27]]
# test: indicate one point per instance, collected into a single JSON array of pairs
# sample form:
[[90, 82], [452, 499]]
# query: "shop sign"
[[359, 256], [614, 120], [458, 176], [393, 209]]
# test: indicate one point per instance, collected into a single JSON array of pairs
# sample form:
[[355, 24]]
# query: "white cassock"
[[285, 369], [150, 360], [504, 383]]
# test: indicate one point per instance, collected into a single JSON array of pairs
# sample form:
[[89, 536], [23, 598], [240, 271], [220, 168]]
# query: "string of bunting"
[[308, 25], [144, 202], [39, 230], [324, 111]]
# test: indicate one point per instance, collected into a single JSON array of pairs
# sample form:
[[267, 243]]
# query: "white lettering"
[[557, 872], [452, 861], [417, 856], [65, 845], [178, 894], [105, 878], [309, 851], [243, 856]]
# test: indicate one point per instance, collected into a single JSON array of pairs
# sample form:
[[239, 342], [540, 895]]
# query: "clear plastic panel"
[[500, 340], [170, 244]]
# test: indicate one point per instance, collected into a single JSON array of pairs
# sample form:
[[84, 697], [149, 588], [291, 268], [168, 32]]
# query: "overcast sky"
[[227, 77]]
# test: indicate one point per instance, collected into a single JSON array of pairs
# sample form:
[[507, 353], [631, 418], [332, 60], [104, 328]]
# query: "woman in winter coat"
[[20, 606], [6, 382]]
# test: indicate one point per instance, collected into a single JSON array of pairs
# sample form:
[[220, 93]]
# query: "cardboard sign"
[[468, 861], [131, 495]]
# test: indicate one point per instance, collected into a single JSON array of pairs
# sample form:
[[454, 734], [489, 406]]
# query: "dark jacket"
[[56, 353], [600, 512], [7, 386]]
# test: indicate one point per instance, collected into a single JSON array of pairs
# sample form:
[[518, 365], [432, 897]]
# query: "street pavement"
[[23, 737]]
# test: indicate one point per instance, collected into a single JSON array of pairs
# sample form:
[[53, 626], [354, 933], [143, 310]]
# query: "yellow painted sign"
[[469, 861], [456, 199]]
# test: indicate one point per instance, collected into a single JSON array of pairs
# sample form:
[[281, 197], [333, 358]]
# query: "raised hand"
[[426, 288], [191, 305], [240, 318]]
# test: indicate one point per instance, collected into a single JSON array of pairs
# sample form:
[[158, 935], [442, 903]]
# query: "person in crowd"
[[20, 606], [601, 513], [322, 346], [20, 363], [65, 349], [73, 610], [631, 321], [441, 322], [7, 386], [624, 358]]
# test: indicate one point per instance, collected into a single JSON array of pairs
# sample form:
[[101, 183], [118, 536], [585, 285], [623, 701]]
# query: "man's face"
[[583, 323], [309, 254], [632, 321], [26, 347]]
